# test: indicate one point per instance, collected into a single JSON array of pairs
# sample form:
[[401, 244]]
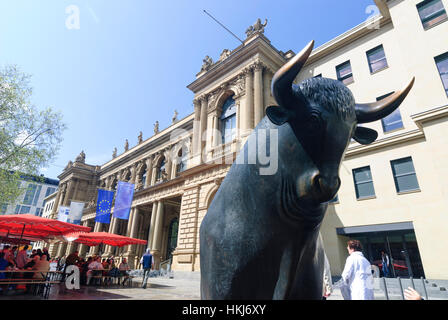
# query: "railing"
[[165, 268]]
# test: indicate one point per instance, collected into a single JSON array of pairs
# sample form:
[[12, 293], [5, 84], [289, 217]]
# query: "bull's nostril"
[[316, 182]]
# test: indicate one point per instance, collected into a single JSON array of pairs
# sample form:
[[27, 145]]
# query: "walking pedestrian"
[[148, 263], [357, 274]]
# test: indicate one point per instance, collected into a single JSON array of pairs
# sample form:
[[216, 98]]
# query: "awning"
[[96, 238]]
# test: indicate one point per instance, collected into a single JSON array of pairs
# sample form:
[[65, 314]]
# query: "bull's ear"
[[365, 135], [277, 115]]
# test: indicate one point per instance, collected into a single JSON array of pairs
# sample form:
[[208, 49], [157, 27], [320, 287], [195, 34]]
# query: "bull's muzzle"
[[325, 188]]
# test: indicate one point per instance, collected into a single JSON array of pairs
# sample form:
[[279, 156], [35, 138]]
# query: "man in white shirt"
[[357, 274]]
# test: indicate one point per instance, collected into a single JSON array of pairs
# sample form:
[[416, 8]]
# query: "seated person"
[[124, 268], [30, 266], [41, 265], [4, 265], [94, 266]]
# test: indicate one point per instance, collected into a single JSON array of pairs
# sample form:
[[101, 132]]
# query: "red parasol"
[[96, 238], [27, 226]]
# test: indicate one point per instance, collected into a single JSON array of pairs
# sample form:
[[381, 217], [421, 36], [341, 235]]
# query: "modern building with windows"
[[394, 192], [32, 199]]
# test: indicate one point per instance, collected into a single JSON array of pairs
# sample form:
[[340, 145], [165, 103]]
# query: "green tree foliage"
[[29, 137]]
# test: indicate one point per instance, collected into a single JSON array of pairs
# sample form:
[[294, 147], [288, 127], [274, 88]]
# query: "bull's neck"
[[294, 165]]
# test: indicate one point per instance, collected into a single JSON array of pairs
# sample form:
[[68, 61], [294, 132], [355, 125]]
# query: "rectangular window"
[[392, 121], [377, 59], [24, 209], [404, 175], [49, 191], [431, 12], [29, 196], [442, 65], [3, 208], [36, 196], [38, 212], [363, 183], [344, 73]]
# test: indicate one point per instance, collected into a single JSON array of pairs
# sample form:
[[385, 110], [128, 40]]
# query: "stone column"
[[112, 229], [266, 90], [210, 133], [196, 126], [204, 100], [152, 224], [131, 232], [154, 173], [148, 172], [57, 202], [69, 193], [157, 237], [82, 247], [216, 133], [258, 94], [94, 250], [133, 173], [109, 182], [70, 248], [75, 191], [247, 112], [168, 163], [61, 249]]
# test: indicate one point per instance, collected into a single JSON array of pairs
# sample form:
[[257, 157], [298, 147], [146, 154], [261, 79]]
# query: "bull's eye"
[[314, 124]]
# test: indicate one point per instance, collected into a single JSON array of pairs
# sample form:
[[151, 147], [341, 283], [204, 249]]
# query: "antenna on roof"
[[224, 27]]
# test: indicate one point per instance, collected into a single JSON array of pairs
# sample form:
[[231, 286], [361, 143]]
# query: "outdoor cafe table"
[[51, 277]]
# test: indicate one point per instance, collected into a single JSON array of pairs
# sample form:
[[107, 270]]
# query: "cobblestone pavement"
[[189, 289], [157, 289]]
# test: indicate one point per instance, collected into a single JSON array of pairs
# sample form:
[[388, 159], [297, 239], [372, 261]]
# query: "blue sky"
[[130, 61]]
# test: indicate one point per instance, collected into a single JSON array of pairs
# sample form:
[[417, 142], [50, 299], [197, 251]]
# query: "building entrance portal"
[[400, 245]]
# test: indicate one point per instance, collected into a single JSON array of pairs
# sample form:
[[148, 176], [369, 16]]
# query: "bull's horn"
[[370, 112], [284, 77]]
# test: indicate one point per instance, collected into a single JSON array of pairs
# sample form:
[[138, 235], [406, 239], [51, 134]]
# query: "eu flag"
[[103, 206], [123, 200]]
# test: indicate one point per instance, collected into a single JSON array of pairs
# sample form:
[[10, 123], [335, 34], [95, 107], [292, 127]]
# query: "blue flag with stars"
[[104, 205]]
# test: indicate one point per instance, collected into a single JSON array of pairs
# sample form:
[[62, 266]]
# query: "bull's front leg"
[[308, 280]]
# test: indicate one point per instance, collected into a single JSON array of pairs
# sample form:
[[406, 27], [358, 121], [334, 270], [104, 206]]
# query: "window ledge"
[[379, 70], [435, 24], [366, 198], [393, 130], [347, 84], [409, 191]]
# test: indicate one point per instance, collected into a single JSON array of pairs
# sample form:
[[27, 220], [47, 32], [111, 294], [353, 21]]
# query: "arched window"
[[145, 173], [182, 165], [228, 120], [161, 169]]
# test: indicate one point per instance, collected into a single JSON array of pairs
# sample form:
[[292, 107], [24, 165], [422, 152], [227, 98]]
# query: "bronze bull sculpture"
[[260, 236]]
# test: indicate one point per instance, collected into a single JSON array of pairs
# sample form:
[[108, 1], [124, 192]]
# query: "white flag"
[[63, 213], [75, 212]]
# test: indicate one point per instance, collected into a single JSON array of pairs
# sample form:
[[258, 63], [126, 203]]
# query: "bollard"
[[401, 288], [385, 288], [424, 288], [412, 283]]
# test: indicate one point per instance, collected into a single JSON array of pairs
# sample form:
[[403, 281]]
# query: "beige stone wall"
[[410, 51]]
